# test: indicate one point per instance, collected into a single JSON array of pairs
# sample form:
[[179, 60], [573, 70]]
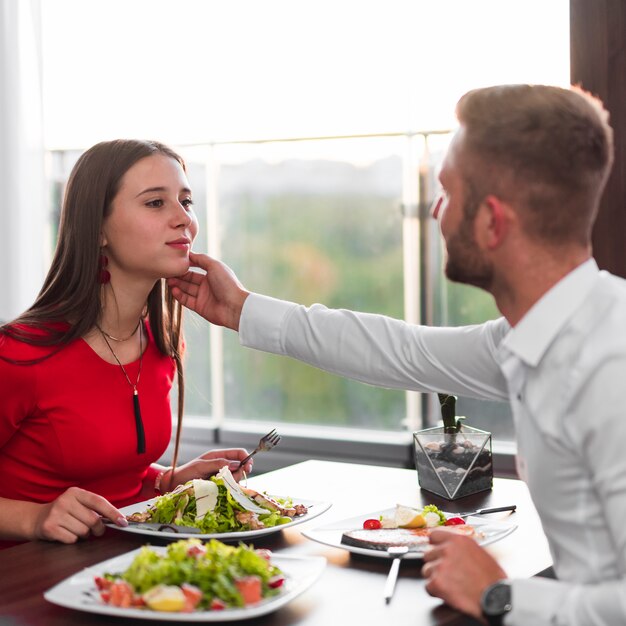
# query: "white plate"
[[330, 534], [313, 510], [79, 591]]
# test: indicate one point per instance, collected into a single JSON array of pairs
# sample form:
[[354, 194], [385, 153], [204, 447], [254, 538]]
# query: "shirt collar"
[[534, 333]]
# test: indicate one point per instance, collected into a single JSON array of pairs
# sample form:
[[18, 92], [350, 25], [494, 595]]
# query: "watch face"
[[497, 599]]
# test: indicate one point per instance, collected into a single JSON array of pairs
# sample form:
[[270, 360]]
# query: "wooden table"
[[350, 591]]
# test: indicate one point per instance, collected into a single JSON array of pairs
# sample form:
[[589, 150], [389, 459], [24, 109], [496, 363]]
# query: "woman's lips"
[[180, 244]]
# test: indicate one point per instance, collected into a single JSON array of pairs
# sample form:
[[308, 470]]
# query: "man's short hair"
[[546, 149]]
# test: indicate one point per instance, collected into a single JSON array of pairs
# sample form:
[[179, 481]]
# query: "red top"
[[69, 421]]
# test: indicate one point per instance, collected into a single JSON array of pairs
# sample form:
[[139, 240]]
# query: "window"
[[317, 219], [312, 221]]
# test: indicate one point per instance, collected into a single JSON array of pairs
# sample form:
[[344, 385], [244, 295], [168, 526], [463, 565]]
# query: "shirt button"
[[519, 397]]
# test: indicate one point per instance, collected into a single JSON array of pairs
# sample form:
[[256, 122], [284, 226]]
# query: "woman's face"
[[150, 229]]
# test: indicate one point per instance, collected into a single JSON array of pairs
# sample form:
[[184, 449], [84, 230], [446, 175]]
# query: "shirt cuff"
[[261, 323], [535, 601]]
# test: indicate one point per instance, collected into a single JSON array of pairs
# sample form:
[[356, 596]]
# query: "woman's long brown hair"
[[71, 293]]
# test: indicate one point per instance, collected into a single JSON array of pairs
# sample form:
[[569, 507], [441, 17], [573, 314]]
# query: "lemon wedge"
[[165, 598], [406, 517]]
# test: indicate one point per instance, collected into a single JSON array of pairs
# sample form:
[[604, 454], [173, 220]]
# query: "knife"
[[163, 528]]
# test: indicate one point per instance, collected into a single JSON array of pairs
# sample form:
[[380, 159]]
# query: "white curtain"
[[23, 199]]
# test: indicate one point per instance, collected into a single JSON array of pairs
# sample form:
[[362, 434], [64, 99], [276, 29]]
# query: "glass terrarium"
[[453, 460]]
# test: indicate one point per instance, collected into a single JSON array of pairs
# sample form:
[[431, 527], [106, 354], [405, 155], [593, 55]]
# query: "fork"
[[397, 552], [496, 509], [267, 442]]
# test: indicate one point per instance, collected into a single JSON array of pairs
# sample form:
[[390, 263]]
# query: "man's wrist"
[[238, 309], [496, 602]]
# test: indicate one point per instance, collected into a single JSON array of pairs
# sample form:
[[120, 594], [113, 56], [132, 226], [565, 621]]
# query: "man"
[[521, 184]]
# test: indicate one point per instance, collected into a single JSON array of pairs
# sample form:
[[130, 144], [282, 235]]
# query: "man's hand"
[[218, 296], [458, 571], [75, 514]]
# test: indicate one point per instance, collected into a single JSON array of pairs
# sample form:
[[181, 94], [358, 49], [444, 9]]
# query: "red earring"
[[104, 276]]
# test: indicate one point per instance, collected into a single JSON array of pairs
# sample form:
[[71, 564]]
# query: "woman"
[[86, 372]]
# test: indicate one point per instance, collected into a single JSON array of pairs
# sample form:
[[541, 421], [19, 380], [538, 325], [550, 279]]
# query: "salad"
[[193, 576], [219, 505]]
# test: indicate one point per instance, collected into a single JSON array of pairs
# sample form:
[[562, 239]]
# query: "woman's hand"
[[75, 514], [209, 464]]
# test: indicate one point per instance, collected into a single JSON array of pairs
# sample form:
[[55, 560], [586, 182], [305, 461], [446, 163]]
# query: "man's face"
[[466, 262]]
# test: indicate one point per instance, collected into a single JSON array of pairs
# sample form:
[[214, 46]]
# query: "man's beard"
[[465, 263]]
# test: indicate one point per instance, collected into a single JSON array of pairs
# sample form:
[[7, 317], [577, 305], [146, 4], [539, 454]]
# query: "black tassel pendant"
[[141, 437]]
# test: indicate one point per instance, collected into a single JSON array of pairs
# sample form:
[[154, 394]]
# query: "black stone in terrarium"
[[455, 460]]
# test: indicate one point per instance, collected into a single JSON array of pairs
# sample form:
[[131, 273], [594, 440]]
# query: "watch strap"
[[494, 620]]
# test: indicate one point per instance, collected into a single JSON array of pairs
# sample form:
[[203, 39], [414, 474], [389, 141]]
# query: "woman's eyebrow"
[[160, 189]]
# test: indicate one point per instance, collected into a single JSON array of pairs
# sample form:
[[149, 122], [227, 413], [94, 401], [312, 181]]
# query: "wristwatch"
[[496, 602]]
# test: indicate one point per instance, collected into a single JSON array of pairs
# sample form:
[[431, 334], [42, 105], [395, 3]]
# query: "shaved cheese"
[[206, 496], [237, 493]]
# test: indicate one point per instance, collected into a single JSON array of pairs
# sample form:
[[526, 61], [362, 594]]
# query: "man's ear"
[[493, 222]]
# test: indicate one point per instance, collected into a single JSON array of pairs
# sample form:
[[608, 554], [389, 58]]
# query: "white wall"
[[23, 206]]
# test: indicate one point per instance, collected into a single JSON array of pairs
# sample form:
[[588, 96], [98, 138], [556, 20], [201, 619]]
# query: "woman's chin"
[[182, 268]]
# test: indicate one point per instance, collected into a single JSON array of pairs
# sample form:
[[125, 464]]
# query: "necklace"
[[141, 438], [116, 338]]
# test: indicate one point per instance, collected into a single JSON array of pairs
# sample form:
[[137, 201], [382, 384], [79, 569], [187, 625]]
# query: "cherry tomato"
[[454, 521], [372, 524]]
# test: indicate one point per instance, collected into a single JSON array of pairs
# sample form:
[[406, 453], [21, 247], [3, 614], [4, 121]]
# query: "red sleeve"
[[17, 388]]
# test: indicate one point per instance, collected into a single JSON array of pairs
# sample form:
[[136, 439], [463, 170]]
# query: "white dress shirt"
[[562, 368]]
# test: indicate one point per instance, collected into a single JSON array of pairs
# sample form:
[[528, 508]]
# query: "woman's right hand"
[[75, 514]]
